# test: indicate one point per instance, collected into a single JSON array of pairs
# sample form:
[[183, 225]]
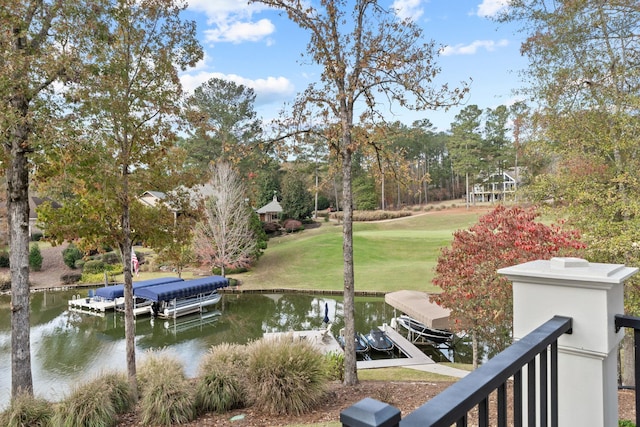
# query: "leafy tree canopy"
[[479, 299]]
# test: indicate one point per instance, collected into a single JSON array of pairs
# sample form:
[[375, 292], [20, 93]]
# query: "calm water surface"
[[68, 348]]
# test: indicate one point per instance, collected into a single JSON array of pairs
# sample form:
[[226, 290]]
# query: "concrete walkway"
[[438, 368]]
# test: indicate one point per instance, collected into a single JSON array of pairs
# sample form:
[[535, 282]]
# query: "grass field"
[[388, 255]]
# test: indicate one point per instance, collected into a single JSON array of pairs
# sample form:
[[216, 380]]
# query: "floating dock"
[[324, 340]]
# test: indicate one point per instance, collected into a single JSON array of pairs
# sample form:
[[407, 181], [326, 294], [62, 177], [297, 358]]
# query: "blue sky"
[[256, 47]]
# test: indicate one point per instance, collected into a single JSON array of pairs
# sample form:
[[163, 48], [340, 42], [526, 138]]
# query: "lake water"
[[68, 348]]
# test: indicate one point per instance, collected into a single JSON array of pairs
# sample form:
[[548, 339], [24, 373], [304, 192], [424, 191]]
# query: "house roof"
[[271, 207]]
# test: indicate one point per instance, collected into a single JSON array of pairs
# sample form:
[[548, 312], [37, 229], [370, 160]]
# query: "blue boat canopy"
[[184, 289], [117, 291]]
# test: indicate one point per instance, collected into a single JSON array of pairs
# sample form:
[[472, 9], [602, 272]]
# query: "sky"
[[259, 48]]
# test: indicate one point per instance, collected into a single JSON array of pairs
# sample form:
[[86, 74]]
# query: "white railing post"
[[591, 294]]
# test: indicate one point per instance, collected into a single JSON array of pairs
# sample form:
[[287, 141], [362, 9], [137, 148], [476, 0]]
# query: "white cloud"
[[231, 20], [237, 32], [408, 9], [471, 49], [490, 8], [271, 89]]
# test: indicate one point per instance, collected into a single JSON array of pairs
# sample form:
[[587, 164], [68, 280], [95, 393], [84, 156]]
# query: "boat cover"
[[184, 289], [117, 291], [417, 305]]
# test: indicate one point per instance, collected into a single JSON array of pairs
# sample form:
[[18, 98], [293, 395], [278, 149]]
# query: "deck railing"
[[538, 351]]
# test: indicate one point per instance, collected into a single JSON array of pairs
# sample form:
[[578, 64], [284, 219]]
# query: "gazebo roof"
[[271, 207]]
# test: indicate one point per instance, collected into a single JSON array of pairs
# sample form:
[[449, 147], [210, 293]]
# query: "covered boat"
[[180, 298], [117, 291], [362, 348], [420, 331], [379, 341]]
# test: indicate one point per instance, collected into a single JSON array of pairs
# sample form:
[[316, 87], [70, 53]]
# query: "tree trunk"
[[350, 363], [17, 175], [129, 319], [474, 349], [628, 361]]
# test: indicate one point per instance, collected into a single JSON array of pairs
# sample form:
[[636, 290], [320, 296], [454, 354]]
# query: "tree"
[[40, 45], [225, 123], [225, 237], [479, 299], [297, 201], [498, 151], [122, 133], [583, 73], [361, 56], [465, 144]]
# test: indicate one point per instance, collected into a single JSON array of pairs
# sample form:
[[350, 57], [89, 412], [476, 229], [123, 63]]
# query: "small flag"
[[134, 262]]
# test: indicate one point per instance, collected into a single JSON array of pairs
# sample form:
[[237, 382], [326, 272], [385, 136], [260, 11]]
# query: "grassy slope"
[[388, 256]]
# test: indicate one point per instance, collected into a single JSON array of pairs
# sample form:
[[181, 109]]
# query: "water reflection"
[[69, 347]]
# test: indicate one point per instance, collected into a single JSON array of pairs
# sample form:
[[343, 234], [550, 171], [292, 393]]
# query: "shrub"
[[26, 410], [165, 396], [221, 384], [70, 278], [93, 267], [35, 258], [229, 270], [110, 258], [5, 282], [292, 225], [70, 255], [88, 405], [118, 390], [335, 365], [4, 259], [286, 376]]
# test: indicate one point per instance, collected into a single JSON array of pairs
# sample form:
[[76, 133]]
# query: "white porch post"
[[591, 294]]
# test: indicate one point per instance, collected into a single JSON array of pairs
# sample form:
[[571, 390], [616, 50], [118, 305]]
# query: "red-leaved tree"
[[480, 300]]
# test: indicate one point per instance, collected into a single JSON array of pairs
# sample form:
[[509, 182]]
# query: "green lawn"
[[388, 256]]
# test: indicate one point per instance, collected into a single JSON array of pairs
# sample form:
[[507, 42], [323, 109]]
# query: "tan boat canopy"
[[416, 304]]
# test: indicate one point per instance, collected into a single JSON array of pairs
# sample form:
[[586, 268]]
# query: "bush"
[[70, 278], [35, 258], [5, 282], [118, 390], [165, 396], [70, 255], [286, 376], [88, 405], [4, 259], [292, 225], [221, 384], [110, 258], [229, 270], [335, 365], [26, 410], [93, 267]]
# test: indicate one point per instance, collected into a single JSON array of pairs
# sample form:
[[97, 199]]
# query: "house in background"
[[271, 211], [498, 186]]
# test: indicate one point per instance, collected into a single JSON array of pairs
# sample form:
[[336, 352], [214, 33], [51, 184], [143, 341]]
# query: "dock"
[[92, 305], [415, 358]]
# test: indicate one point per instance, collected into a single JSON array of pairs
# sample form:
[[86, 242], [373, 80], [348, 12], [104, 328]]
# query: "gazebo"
[[271, 211]]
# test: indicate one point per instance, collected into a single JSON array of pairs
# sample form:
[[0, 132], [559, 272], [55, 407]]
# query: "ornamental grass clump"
[[165, 393], [286, 375], [221, 384], [119, 391], [88, 405], [26, 410]]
